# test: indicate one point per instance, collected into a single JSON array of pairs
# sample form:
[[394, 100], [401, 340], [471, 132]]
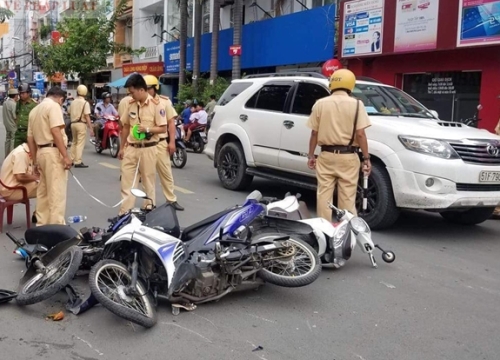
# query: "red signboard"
[[56, 38], [146, 68], [330, 66], [235, 50]]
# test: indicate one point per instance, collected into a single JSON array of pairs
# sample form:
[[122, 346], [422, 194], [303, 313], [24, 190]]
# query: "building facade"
[[444, 53]]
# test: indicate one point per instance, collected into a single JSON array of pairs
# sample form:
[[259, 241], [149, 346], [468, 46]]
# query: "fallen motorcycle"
[[334, 242], [206, 262]]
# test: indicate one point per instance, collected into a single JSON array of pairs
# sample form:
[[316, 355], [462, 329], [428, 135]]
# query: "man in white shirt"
[[199, 118]]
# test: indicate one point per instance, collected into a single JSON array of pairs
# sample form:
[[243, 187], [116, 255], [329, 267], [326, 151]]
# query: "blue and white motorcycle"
[[151, 260]]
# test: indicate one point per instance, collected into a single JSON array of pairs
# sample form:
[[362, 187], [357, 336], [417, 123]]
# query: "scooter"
[[198, 139], [179, 158], [335, 242], [109, 135]]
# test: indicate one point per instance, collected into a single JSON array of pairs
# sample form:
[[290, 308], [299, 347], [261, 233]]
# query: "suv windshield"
[[387, 101]]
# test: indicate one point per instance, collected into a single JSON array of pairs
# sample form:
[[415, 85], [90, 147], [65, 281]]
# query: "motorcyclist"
[[101, 110]]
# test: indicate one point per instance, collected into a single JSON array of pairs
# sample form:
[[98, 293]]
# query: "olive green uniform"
[[23, 111]]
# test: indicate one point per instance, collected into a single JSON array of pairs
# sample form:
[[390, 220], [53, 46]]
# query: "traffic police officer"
[[142, 122], [24, 107], [163, 165], [338, 124], [79, 112], [10, 120], [47, 141]]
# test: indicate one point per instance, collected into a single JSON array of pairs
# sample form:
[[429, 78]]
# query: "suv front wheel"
[[231, 167]]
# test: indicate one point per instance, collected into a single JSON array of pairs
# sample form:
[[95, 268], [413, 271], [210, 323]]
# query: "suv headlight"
[[358, 225], [433, 147]]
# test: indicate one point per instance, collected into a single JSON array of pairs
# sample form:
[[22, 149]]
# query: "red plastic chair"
[[9, 205]]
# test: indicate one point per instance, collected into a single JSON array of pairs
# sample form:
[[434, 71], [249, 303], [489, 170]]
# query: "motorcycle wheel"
[[286, 272], [98, 148], [108, 280], [199, 147], [179, 159], [114, 146], [58, 274]]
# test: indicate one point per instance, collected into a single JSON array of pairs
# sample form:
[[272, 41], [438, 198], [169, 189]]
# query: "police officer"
[[338, 124], [9, 119], [167, 143], [47, 141], [24, 107], [79, 112], [142, 122]]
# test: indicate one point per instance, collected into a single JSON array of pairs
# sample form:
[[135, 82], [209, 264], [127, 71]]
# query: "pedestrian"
[[209, 108], [166, 146], [101, 110], [338, 124], [79, 112], [24, 106], [10, 120], [47, 142], [142, 122]]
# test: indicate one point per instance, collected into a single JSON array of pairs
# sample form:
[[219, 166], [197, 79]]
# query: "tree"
[[183, 6], [86, 44], [197, 43], [214, 56], [5, 14], [238, 25]]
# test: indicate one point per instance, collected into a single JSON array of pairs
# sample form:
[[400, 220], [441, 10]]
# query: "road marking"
[[182, 190], [110, 166]]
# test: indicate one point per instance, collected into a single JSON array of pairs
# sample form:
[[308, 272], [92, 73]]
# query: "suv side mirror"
[[434, 113]]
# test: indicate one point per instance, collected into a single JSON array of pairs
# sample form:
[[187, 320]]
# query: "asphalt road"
[[438, 300]]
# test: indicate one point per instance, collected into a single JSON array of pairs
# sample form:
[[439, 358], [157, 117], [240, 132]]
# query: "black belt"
[[162, 139], [46, 145], [339, 149], [143, 145]]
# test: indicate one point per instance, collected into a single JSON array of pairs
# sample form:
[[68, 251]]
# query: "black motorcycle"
[[179, 158], [198, 139]]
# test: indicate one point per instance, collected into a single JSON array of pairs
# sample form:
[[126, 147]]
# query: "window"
[[306, 97], [232, 91], [270, 97], [318, 3]]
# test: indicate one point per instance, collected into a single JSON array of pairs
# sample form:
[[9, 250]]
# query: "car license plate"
[[489, 176]]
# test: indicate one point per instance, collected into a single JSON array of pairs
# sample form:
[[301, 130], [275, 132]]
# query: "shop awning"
[[119, 83], [169, 76]]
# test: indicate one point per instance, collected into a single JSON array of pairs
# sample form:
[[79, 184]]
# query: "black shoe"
[[176, 206], [82, 165]]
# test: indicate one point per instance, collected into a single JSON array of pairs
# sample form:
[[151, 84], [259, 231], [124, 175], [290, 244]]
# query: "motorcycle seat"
[[49, 235], [195, 230]]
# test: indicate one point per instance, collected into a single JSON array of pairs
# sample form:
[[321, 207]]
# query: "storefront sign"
[[235, 50], [57, 78], [363, 23], [149, 68], [173, 56], [441, 86], [478, 22], [330, 66], [416, 25]]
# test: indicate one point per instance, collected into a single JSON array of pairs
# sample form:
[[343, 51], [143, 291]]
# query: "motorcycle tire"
[[29, 298], [179, 159], [145, 320], [201, 146], [300, 280], [114, 146]]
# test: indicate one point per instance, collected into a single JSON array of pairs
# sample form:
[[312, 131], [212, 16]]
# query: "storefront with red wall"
[[449, 79]]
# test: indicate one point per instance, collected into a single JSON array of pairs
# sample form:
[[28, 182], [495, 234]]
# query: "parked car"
[[419, 161]]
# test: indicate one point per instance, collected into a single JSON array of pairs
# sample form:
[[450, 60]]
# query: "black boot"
[[176, 206]]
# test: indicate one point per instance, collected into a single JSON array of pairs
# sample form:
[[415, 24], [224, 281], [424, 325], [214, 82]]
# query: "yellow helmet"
[[81, 90], [152, 81], [342, 79]]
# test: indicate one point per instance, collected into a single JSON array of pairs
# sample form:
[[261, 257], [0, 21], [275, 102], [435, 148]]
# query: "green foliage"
[[87, 42], [186, 91], [5, 14], [44, 31]]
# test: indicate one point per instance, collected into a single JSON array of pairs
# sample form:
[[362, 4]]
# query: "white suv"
[[419, 162]]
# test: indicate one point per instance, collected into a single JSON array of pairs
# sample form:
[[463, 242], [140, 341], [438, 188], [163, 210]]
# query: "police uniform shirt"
[[77, 112], [18, 162], [333, 118], [149, 114], [46, 116], [169, 111]]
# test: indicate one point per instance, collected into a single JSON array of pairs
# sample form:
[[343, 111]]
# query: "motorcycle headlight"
[[433, 147], [339, 236], [358, 225]]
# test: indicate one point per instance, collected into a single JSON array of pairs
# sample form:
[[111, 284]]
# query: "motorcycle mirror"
[[138, 193]]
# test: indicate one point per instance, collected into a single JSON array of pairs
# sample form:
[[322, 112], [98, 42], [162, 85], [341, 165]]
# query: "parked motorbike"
[[474, 120], [206, 262], [334, 242], [179, 158], [198, 139], [109, 136]]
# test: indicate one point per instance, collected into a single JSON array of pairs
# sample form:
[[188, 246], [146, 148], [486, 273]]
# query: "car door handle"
[[288, 124], [243, 117]]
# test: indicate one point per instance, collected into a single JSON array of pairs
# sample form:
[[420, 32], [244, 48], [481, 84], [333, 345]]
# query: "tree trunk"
[[214, 56], [238, 25], [197, 44], [183, 41]]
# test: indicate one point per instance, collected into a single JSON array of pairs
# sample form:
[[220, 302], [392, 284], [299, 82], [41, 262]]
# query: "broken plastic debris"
[[258, 348], [55, 317]]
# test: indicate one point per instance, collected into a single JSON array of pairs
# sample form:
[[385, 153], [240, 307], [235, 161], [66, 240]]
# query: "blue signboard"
[[13, 76], [267, 43], [39, 80]]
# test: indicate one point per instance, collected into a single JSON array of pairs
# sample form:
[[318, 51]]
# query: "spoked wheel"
[[52, 278], [109, 281], [293, 266], [179, 158], [114, 146]]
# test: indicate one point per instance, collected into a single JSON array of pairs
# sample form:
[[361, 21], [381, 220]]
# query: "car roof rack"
[[366, 78], [287, 73]]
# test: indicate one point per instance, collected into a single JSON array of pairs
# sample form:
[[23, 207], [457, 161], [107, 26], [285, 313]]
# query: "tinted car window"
[[232, 91], [270, 97], [306, 96]]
